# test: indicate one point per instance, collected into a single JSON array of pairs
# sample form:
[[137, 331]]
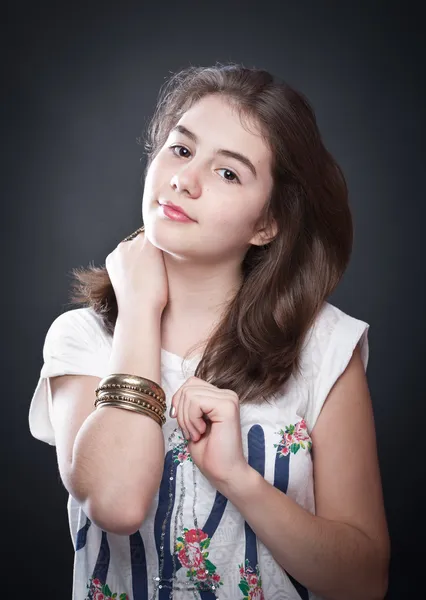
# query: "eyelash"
[[237, 180]]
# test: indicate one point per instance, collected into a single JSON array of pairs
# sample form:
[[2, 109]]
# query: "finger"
[[174, 403], [218, 409], [195, 417], [192, 433], [173, 411], [189, 410], [183, 402], [202, 387], [180, 416]]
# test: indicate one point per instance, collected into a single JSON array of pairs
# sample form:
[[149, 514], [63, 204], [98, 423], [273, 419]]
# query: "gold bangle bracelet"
[[132, 382], [133, 392], [144, 402], [148, 405], [135, 408], [136, 398], [133, 396]]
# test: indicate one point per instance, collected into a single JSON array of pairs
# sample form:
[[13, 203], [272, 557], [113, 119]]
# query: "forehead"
[[218, 124]]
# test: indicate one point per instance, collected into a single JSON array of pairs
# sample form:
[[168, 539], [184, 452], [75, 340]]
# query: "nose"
[[186, 181]]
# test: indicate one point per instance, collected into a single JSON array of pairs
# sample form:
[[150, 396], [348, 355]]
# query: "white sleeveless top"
[[202, 547]]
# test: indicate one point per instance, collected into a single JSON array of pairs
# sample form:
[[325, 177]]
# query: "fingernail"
[[172, 411]]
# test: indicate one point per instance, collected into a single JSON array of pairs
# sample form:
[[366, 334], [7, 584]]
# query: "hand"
[[210, 419], [138, 274]]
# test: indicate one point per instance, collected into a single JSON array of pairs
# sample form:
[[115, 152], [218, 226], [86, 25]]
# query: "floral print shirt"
[[194, 543]]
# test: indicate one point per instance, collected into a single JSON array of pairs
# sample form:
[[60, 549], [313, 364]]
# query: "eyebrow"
[[230, 153]]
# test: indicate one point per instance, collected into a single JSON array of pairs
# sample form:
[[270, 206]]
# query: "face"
[[199, 170]]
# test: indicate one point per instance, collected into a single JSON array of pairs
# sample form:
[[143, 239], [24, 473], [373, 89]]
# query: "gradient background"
[[80, 84]]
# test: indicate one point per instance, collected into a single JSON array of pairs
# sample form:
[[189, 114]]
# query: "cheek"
[[152, 177], [219, 217], [234, 217], [159, 168], [151, 186]]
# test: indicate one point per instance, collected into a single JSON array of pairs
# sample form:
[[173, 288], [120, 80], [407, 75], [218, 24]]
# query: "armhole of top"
[[347, 333]]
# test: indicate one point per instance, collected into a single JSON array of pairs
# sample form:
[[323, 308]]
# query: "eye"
[[228, 171], [172, 148]]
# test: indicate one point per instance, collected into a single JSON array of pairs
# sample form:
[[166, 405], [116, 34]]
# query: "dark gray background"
[[80, 83]]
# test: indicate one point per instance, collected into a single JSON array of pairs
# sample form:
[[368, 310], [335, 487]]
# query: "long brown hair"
[[257, 345]]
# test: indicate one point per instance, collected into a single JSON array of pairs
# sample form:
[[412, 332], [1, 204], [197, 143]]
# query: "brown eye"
[[173, 148], [230, 176]]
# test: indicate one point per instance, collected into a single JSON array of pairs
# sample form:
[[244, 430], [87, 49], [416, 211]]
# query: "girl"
[[261, 481]]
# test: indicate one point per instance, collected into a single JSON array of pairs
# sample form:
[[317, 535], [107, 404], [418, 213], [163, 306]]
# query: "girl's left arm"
[[341, 552]]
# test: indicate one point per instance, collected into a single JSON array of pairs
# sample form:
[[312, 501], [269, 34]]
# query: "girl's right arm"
[[111, 460]]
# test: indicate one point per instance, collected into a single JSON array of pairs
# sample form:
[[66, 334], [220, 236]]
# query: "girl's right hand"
[[138, 274]]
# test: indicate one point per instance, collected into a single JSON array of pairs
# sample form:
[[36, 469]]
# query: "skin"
[[343, 550], [203, 259]]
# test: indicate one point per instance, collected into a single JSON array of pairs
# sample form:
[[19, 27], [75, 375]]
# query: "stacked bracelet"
[[133, 393]]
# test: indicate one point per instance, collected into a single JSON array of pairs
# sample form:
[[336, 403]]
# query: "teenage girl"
[[251, 472]]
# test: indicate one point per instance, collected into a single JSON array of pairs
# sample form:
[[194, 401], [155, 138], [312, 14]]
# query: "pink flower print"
[[202, 574], [301, 433], [191, 556], [180, 451], [256, 594], [192, 552], [99, 591], [250, 582], [289, 438], [195, 535], [293, 438]]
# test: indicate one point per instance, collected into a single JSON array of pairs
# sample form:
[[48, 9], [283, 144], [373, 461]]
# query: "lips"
[[177, 208]]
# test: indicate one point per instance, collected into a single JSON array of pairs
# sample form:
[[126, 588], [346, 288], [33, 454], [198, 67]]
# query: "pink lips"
[[176, 213]]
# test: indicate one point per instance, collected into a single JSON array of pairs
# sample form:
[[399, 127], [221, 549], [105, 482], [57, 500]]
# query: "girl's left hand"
[[210, 419]]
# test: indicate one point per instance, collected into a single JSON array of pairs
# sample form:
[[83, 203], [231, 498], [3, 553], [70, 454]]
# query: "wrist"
[[135, 314], [136, 345], [239, 480]]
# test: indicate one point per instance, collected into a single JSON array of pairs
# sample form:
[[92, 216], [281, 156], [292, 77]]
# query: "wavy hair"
[[257, 345]]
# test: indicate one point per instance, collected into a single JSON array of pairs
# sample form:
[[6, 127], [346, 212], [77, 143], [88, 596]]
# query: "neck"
[[198, 296]]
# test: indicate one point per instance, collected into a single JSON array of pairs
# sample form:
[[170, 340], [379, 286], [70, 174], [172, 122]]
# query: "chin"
[[170, 237]]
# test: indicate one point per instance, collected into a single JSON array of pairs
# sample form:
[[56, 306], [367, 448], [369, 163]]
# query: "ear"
[[265, 235]]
